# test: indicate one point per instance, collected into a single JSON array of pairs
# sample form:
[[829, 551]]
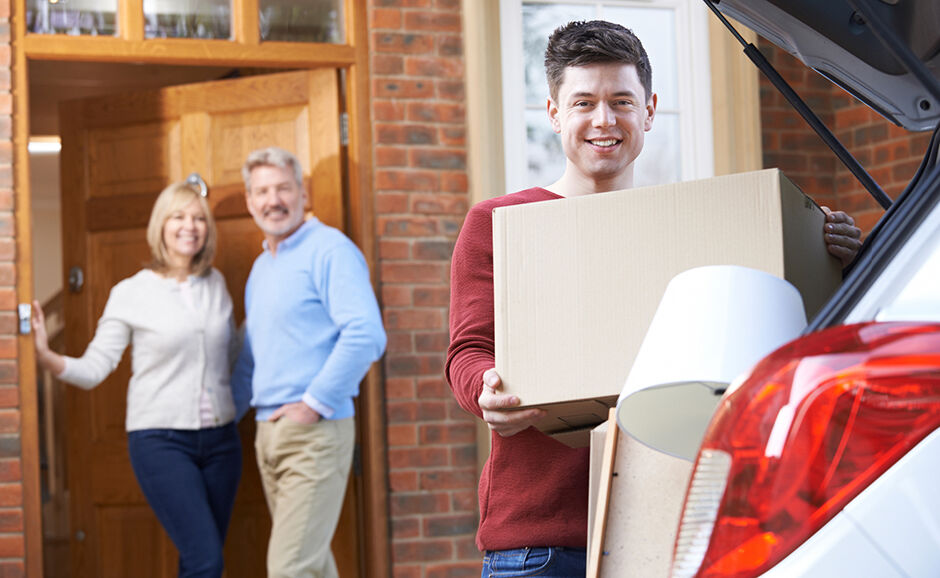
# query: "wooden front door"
[[118, 153]]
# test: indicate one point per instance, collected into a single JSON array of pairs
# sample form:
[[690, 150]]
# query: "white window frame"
[[693, 78]]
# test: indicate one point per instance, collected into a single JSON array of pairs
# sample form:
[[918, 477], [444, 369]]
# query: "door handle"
[[196, 179], [76, 279]]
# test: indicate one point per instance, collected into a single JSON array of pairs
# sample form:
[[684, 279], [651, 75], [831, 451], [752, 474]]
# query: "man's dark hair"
[[594, 42]]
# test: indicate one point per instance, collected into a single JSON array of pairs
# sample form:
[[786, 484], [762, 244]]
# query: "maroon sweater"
[[534, 490]]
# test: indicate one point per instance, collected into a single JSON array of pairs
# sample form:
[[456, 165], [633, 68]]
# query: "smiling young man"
[[534, 490], [312, 329]]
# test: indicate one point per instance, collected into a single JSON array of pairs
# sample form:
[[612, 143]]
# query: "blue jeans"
[[189, 478], [545, 562]]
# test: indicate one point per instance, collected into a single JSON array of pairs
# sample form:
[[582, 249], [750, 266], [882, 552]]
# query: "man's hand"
[[297, 412], [841, 235], [497, 408]]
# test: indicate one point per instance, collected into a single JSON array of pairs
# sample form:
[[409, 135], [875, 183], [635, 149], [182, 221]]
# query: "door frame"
[[354, 59]]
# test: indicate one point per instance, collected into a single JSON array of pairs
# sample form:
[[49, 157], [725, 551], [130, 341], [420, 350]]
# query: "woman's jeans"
[[189, 478], [545, 562]]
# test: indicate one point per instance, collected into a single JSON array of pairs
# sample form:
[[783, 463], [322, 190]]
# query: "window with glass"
[[674, 33], [302, 21], [72, 17], [188, 19]]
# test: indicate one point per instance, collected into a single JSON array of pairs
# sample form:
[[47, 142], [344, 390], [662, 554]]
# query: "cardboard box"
[[577, 280]]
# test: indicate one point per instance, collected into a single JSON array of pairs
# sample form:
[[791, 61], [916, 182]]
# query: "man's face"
[[602, 114], [275, 201]]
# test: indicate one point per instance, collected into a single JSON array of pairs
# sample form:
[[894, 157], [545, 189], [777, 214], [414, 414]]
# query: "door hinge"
[[25, 312], [344, 128]]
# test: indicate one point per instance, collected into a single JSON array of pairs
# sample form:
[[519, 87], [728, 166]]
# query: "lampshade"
[[712, 324]]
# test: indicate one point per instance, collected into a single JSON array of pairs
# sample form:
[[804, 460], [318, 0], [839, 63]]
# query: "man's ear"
[[552, 109], [650, 112]]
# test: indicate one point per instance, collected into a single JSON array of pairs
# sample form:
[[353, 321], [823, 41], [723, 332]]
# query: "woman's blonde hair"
[[171, 199]]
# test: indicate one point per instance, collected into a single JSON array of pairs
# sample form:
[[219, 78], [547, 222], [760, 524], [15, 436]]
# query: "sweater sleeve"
[[472, 346], [103, 354], [351, 304]]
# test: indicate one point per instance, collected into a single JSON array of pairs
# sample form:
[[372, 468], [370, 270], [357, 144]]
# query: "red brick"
[[405, 134], [403, 481], [401, 388], [402, 571], [11, 521], [401, 365], [431, 342], [441, 526], [414, 319], [6, 200], [7, 249], [414, 273], [439, 204], [432, 21], [436, 112], [401, 43], [433, 250], [400, 342], [9, 394], [402, 88], [465, 501], [392, 202], [452, 479], [10, 470], [460, 570], [6, 220], [390, 156], [410, 180], [405, 528], [434, 67], [11, 495], [12, 546], [394, 249], [8, 347], [9, 421], [459, 433], [422, 550], [402, 435], [435, 388], [12, 569], [407, 226], [387, 64], [385, 18], [420, 503], [388, 110], [402, 3], [431, 296], [450, 46]]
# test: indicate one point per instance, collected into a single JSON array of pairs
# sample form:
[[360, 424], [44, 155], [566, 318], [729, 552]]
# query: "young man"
[[534, 490], [313, 328]]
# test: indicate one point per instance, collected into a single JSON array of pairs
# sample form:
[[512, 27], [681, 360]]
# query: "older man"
[[313, 329]]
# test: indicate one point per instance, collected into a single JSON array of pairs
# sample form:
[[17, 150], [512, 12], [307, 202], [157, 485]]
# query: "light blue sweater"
[[313, 325]]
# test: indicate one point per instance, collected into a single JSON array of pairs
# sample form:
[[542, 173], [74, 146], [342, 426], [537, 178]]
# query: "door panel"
[[118, 152]]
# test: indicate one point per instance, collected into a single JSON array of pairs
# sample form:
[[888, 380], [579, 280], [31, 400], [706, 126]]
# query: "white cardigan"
[[176, 353]]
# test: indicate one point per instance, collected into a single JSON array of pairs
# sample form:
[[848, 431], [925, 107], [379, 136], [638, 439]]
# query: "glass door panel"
[[72, 17], [302, 21], [188, 19]]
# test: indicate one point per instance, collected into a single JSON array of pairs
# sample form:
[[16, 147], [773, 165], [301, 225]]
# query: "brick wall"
[[12, 544], [420, 153], [889, 153]]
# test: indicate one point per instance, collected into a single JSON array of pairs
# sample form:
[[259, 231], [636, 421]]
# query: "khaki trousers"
[[304, 470]]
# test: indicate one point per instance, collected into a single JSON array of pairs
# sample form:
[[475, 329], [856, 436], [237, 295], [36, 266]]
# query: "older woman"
[[181, 413]]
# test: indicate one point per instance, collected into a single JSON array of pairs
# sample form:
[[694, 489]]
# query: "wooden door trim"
[[360, 218], [26, 360], [377, 557]]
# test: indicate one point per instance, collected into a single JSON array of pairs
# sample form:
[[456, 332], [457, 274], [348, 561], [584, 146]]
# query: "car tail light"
[[812, 425]]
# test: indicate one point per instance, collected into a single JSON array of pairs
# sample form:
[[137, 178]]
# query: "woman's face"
[[184, 233]]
